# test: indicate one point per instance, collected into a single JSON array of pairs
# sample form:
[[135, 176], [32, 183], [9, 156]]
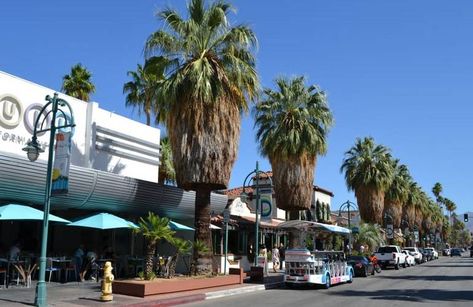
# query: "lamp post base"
[[41, 294]]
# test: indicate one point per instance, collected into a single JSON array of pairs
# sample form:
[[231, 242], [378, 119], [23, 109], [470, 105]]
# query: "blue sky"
[[400, 71]]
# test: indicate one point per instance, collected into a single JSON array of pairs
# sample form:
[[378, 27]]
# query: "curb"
[[242, 290], [208, 295]]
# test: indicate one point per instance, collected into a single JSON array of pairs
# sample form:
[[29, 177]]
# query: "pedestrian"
[[263, 259], [78, 261], [282, 254], [275, 258], [14, 252]]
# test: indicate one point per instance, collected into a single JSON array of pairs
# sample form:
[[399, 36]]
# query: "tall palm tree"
[[292, 126], [397, 193], [167, 173], [437, 190], [408, 210], [153, 228], [210, 78], [451, 207], [369, 172], [143, 88], [78, 84]]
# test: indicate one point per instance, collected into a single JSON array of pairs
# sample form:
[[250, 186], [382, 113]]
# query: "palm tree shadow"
[[410, 295]]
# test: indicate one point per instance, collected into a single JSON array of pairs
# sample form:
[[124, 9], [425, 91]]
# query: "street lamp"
[[254, 175], [347, 205], [33, 149]]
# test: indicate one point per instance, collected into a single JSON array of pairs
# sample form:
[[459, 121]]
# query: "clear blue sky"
[[400, 71]]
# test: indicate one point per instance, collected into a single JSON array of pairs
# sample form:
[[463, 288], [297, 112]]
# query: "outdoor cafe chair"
[[4, 272], [71, 268], [52, 269]]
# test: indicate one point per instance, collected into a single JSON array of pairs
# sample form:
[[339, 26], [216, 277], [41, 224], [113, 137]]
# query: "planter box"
[[142, 288]]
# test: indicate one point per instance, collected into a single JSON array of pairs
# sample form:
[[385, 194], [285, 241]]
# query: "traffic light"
[[465, 217]]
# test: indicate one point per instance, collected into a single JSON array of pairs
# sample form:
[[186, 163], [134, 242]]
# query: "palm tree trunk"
[[202, 229], [148, 118], [150, 258], [294, 236]]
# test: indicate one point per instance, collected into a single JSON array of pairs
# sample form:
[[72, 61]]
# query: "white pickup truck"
[[390, 255]]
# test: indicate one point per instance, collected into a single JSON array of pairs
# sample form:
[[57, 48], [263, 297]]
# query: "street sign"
[[390, 231], [416, 235]]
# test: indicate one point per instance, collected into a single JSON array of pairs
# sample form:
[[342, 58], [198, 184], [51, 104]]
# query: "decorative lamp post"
[[347, 206], [33, 149], [407, 231], [254, 175]]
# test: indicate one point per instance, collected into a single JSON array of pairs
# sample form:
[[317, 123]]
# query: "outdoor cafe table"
[[62, 263], [25, 269]]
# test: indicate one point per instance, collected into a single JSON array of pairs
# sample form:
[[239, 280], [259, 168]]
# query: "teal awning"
[[20, 212], [103, 221], [176, 226]]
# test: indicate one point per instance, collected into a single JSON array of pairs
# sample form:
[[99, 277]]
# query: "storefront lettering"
[[11, 113]]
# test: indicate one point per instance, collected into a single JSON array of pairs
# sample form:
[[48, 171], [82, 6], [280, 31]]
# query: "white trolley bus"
[[325, 268]]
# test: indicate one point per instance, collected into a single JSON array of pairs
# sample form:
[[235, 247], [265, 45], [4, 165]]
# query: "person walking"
[[275, 258], [282, 255]]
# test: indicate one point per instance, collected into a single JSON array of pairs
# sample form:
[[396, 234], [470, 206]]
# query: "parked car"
[[361, 265], [391, 255], [410, 260], [426, 256], [471, 251], [455, 252], [446, 252], [435, 254], [416, 253]]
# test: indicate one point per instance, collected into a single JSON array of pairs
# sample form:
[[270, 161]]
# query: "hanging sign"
[[266, 208], [389, 231], [62, 161]]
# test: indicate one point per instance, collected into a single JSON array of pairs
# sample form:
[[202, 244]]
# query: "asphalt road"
[[443, 282]]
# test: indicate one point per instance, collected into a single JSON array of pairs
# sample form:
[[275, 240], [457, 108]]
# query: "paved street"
[[444, 282]]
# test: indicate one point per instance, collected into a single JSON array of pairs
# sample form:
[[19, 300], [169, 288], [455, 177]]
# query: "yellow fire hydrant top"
[[107, 282]]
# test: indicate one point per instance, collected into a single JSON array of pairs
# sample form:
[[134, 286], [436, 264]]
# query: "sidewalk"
[[88, 294]]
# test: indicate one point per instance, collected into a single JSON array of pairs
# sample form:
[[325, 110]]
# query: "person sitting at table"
[[78, 261], [14, 252], [91, 267]]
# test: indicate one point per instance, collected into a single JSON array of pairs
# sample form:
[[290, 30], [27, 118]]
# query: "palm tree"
[[78, 84], [369, 172], [142, 90], [292, 126], [437, 190], [369, 234], [167, 173], [183, 247], [397, 193], [153, 228], [210, 78], [408, 210], [451, 207]]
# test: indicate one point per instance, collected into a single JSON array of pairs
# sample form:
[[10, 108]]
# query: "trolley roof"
[[309, 225]]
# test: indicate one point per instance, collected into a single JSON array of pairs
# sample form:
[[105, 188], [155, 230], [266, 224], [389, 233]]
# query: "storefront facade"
[[114, 163]]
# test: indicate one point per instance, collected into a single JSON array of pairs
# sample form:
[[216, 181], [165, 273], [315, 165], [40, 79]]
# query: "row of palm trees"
[[199, 78], [386, 192]]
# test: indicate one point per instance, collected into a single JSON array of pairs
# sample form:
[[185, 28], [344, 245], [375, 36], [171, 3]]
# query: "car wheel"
[[350, 277], [327, 281]]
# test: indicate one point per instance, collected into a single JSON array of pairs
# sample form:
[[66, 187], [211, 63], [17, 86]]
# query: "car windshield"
[[387, 249], [411, 249]]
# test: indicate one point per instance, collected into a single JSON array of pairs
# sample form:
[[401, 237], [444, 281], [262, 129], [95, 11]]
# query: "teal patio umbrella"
[[25, 213], [176, 226], [103, 221]]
